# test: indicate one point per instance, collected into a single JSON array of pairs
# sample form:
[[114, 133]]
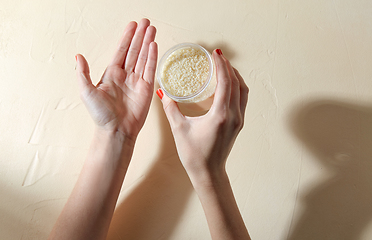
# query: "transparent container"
[[186, 73]]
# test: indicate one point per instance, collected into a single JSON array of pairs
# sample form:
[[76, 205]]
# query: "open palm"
[[121, 100]]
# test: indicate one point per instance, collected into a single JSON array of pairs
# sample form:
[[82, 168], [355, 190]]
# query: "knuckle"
[[166, 106], [123, 49], [235, 80], [237, 123], [134, 50], [175, 125], [244, 88], [142, 57], [241, 126], [221, 120]]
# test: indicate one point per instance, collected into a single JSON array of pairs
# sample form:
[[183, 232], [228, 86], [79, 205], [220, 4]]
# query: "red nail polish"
[[218, 51], [76, 57], [160, 93]]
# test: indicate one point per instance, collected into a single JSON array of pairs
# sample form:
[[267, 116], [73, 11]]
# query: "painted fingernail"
[[76, 57], [160, 93], [218, 51]]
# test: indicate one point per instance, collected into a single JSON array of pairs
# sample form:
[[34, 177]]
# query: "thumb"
[[82, 74], [171, 109]]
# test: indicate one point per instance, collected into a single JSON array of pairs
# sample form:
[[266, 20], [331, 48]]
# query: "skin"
[[118, 105], [204, 155]]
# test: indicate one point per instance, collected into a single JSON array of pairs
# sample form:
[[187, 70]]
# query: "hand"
[[118, 105], [121, 100], [204, 143]]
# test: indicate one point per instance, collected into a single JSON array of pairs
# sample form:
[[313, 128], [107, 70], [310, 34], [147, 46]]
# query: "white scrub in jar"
[[186, 73]]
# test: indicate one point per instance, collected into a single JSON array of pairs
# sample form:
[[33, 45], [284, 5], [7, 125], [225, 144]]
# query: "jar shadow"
[[196, 109]]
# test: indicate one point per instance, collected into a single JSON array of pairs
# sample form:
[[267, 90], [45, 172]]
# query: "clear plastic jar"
[[186, 73]]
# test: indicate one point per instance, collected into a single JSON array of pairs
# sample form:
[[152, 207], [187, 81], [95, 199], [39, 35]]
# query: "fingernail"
[[218, 51], [160, 93], [76, 57]]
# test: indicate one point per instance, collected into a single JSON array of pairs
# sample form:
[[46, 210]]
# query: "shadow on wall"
[[339, 134], [154, 208]]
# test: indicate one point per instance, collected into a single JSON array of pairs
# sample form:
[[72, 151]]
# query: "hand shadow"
[[153, 209], [339, 134]]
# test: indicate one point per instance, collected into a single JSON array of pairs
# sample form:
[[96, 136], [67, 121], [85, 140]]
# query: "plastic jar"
[[186, 73]]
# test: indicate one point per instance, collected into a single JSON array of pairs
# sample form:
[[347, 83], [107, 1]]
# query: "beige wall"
[[300, 169]]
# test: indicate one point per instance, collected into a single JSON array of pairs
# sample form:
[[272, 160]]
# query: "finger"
[[173, 113], [223, 88], [126, 39], [135, 45], [144, 53], [83, 76], [150, 68], [235, 88], [244, 91]]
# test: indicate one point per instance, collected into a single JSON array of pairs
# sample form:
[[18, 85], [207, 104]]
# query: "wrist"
[[114, 136], [208, 178], [112, 147]]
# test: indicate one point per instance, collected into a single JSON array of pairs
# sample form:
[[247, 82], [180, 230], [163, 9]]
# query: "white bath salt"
[[185, 71]]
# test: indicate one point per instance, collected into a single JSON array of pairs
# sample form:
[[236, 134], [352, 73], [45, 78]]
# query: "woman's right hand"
[[121, 100], [204, 143]]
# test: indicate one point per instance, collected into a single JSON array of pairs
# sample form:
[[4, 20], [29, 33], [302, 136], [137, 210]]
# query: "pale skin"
[[204, 155], [119, 104]]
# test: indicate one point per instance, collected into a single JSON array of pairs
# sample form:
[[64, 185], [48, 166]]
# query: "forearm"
[[217, 198], [89, 209]]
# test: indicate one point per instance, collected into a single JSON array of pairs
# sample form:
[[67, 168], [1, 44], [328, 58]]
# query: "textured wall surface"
[[301, 168]]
